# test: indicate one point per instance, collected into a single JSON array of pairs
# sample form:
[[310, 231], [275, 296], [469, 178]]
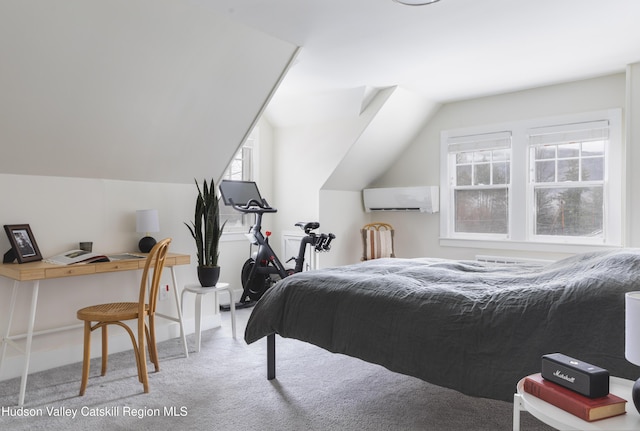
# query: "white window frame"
[[470, 142], [521, 202], [251, 145]]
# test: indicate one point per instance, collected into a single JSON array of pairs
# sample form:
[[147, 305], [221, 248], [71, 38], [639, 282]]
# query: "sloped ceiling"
[[165, 90], [399, 114], [446, 51], [150, 90]]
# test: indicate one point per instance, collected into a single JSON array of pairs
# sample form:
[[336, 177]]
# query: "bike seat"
[[308, 226]]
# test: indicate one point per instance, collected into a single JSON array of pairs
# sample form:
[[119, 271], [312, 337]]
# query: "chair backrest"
[[155, 263], [377, 241]]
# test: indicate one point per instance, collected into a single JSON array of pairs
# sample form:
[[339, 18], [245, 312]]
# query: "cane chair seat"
[[112, 312]]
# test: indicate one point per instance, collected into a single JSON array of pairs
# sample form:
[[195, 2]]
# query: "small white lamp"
[[632, 338], [147, 221]]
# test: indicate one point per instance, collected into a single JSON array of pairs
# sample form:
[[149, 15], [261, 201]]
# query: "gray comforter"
[[473, 327]]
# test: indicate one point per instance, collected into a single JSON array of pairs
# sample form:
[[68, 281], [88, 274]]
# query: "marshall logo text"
[[559, 375]]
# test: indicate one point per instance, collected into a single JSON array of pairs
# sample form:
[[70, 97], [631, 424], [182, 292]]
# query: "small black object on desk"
[[146, 244]]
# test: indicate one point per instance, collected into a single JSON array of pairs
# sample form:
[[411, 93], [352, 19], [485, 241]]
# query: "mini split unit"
[[424, 199]]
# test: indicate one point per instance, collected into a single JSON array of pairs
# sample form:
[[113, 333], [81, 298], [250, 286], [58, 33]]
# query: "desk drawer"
[[123, 265], [69, 270]]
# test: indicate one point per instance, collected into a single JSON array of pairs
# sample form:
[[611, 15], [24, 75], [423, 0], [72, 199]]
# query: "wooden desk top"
[[42, 270]]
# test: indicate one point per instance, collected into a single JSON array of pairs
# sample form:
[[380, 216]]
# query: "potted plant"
[[206, 231]]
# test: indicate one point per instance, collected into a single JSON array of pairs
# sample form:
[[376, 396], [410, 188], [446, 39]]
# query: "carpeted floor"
[[224, 387]]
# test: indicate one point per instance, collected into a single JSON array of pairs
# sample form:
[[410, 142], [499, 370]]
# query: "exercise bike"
[[263, 269]]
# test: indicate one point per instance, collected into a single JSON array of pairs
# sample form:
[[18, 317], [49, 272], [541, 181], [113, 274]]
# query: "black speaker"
[[146, 244], [581, 377]]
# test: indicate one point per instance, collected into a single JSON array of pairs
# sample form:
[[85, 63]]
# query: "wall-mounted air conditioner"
[[423, 199]]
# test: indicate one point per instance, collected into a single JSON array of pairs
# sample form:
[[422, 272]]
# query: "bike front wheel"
[[254, 284]]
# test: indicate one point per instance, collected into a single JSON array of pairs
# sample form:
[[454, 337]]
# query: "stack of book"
[[588, 409]]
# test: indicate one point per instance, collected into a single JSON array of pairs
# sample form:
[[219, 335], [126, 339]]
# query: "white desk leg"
[[27, 353], [179, 308], [7, 333], [517, 408]]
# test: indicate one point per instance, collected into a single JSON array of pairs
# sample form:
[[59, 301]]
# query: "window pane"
[[235, 169], [482, 156], [568, 150], [546, 172], [576, 211], [463, 175], [482, 211], [501, 155], [482, 174], [546, 152], [595, 148], [463, 158], [501, 173], [240, 168], [593, 169], [568, 170]]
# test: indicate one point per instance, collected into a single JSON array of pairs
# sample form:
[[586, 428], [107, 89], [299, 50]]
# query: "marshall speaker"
[[586, 379]]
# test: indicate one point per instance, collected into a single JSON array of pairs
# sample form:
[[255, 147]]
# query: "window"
[[482, 166], [568, 173], [547, 181], [240, 169]]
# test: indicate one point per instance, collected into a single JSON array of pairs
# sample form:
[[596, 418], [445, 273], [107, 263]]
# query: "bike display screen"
[[239, 192]]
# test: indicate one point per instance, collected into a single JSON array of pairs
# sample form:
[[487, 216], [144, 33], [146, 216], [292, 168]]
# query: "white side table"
[[561, 420], [200, 292]]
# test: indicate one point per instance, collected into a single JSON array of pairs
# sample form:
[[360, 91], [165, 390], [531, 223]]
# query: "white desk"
[[33, 272], [561, 420]]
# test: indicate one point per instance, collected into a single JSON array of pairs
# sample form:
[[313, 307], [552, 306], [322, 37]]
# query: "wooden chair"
[[377, 241], [115, 313]]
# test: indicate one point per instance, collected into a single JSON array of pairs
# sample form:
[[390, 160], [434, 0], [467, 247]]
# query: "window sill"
[[525, 245]]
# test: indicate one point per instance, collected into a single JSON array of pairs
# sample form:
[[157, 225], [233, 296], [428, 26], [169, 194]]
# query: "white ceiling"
[[449, 50], [160, 90]]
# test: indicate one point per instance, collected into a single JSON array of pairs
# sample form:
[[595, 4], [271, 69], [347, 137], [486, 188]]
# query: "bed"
[[471, 326]]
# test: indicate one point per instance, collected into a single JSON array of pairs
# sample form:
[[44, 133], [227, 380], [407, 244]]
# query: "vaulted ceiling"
[[429, 55], [448, 50], [159, 90]]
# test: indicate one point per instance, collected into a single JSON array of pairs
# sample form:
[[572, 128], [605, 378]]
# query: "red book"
[[588, 409]]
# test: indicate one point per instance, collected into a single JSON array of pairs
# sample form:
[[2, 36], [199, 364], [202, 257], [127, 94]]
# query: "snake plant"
[[205, 228]]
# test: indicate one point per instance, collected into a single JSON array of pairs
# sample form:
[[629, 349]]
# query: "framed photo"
[[23, 243]]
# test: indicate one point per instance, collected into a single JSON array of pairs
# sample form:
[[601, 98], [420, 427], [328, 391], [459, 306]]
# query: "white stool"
[[201, 291]]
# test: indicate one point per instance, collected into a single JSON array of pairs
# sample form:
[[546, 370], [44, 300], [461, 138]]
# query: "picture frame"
[[23, 243]]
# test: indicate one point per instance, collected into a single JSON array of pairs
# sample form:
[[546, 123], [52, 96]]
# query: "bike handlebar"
[[323, 242], [255, 207]]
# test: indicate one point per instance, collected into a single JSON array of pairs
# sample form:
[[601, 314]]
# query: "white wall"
[[633, 153], [418, 234], [62, 212], [306, 154], [341, 214], [305, 157]]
